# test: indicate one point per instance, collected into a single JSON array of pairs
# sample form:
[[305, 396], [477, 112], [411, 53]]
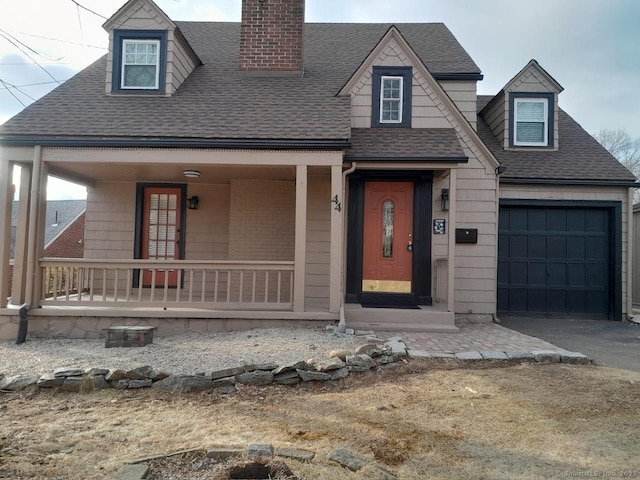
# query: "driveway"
[[607, 343]]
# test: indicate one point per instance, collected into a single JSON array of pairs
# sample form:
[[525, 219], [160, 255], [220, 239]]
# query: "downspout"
[[342, 326]]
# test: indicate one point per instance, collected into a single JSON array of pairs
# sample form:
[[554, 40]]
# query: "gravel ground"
[[184, 354]]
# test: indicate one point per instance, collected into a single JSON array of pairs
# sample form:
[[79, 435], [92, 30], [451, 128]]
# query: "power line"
[[89, 10], [27, 46], [12, 94], [32, 59], [5, 83], [62, 41], [28, 85]]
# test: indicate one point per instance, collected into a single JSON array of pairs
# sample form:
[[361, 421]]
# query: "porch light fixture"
[[192, 203], [191, 173], [444, 200]]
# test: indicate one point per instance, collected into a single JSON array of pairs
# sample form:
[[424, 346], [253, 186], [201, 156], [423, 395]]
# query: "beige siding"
[[262, 220], [207, 228], [110, 221], [426, 108], [636, 256], [497, 117], [179, 62], [564, 192], [318, 243]]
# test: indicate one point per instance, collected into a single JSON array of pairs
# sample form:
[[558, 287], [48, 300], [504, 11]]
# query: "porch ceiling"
[[90, 173]]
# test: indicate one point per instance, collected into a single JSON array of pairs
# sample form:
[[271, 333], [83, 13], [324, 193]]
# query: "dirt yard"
[[429, 420]]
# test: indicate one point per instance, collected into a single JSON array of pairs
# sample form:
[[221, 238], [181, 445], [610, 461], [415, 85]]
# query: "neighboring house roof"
[[60, 215], [426, 144], [217, 102], [579, 156]]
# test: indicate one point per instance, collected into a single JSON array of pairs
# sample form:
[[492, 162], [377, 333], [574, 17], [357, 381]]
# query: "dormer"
[[524, 114], [148, 55]]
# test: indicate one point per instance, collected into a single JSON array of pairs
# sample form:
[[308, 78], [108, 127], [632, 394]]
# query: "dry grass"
[[429, 420]]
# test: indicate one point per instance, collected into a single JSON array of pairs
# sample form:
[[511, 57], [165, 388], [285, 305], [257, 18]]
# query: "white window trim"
[[123, 54], [400, 100], [545, 142]]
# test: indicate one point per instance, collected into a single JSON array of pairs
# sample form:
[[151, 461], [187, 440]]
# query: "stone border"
[[374, 355]]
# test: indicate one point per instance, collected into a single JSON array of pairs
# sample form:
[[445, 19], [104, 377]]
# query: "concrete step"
[[424, 319]]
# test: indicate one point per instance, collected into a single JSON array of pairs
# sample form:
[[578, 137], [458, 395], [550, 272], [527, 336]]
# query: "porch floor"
[[433, 319]]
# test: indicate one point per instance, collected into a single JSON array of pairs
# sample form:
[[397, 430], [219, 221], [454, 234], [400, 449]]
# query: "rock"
[[139, 373], [73, 384], [390, 366], [256, 377], [227, 389], [473, 355], [98, 382], [398, 348], [300, 455], [94, 372], [50, 381], [68, 372], [494, 355], [222, 382], [258, 450], [260, 366], [442, 355], [132, 472], [115, 375], [418, 354], [122, 384], [183, 383], [158, 375], [360, 363], [365, 333], [146, 382], [227, 372], [370, 349], [338, 374], [291, 367], [287, 378], [328, 365], [374, 472], [222, 454], [340, 353], [384, 359], [310, 376], [18, 382], [349, 331], [347, 459]]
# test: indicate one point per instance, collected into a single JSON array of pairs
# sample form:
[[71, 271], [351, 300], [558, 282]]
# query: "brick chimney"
[[271, 37]]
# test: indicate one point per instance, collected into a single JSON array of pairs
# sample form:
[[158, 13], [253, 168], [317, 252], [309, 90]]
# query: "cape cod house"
[[277, 170]]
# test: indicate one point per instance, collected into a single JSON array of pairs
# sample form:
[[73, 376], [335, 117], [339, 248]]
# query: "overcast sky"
[[591, 47]]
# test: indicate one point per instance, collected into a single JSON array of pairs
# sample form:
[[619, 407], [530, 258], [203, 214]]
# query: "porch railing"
[[441, 273], [208, 284]]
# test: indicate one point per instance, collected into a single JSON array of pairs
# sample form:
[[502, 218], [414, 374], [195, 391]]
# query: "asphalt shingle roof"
[[404, 143], [579, 156], [216, 102]]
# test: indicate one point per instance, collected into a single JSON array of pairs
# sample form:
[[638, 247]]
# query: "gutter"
[[342, 325]]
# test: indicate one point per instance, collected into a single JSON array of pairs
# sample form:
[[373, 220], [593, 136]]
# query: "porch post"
[[300, 257], [32, 246], [20, 250], [451, 262], [335, 261], [6, 201]]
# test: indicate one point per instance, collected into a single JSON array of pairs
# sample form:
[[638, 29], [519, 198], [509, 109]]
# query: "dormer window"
[[140, 64], [139, 61], [532, 120], [391, 97]]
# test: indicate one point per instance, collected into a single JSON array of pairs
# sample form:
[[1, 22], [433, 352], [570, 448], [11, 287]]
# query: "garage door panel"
[[555, 260], [557, 275], [557, 246], [536, 274]]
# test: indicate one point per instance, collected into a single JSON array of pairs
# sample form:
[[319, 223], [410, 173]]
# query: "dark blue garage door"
[[554, 261]]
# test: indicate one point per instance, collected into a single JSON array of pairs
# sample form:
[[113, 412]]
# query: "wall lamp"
[[444, 200], [192, 203]]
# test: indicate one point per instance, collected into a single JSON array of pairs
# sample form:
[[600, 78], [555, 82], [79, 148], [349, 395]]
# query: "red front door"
[[387, 259], [161, 232]]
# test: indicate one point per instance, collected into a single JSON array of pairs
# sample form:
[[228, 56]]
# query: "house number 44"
[[338, 205]]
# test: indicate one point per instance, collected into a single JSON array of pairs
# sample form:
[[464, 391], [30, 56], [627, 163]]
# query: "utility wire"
[[12, 94], [89, 10], [32, 59], [62, 41], [27, 46], [27, 85], [18, 89]]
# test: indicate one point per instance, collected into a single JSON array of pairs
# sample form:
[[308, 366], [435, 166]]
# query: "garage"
[[559, 258]]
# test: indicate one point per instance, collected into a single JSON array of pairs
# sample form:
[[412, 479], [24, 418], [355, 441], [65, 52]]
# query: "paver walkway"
[[472, 337]]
